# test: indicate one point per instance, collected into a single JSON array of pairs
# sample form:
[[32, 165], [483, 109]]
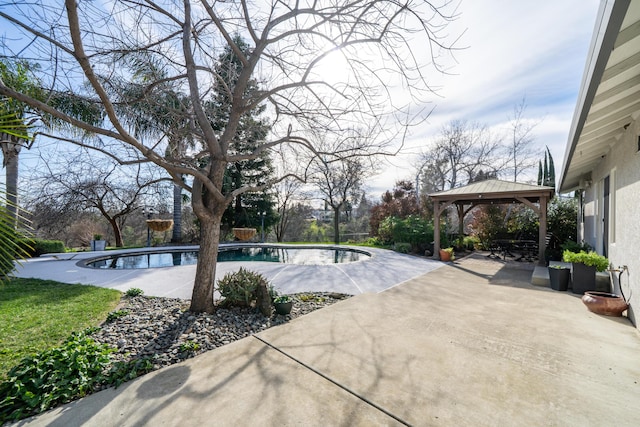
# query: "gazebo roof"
[[494, 191]]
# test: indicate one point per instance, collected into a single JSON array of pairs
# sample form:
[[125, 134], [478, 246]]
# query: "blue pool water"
[[300, 256]]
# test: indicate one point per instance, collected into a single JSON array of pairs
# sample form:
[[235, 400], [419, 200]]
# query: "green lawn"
[[37, 315]]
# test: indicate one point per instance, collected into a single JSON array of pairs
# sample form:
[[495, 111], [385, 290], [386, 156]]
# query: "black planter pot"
[[559, 278], [283, 308], [584, 278]]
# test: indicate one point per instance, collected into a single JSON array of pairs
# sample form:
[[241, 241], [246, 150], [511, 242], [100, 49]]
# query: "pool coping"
[[223, 246]]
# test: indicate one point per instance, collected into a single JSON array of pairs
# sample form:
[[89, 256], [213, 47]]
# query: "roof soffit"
[[616, 100]]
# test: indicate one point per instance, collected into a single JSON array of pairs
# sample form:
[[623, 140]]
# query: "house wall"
[[622, 165]]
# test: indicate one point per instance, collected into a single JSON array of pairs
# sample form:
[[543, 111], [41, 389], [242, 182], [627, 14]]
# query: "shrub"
[[416, 231], [488, 224], [134, 292], [240, 287], [373, 241], [403, 248], [591, 259], [37, 247], [53, 377], [470, 242], [562, 218], [573, 246]]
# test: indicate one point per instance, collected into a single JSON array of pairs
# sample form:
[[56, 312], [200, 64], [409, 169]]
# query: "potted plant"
[[447, 254], [97, 244], [283, 304], [559, 277], [585, 264]]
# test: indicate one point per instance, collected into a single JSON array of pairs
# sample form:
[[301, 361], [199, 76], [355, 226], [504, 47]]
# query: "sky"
[[531, 49], [513, 50]]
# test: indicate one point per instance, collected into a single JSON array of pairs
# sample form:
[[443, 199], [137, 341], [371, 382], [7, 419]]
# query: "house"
[[602, 157]]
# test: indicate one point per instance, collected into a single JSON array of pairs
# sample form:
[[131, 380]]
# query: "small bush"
[[373, 241], [403, 248], [240, 287], [416, 231], [134, 292], [37, 247], [53, 377], [114, 315], [470, 242], [189, 347]]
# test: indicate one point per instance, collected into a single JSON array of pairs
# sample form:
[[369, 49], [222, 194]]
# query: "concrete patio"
[[472, 343]]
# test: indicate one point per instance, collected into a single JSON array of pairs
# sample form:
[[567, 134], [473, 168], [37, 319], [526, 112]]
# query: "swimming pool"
[[278, 254]]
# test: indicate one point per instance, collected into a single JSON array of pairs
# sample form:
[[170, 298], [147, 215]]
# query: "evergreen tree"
[[552, 171], [247, 208], [547, 173]]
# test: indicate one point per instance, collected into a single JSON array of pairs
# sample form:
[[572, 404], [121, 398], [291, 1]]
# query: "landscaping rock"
[[156, 327]]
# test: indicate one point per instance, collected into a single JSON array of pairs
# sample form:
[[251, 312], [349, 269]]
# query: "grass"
[[37, 315]]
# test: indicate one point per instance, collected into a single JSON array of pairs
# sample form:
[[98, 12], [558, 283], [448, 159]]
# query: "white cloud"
[[529, 49]]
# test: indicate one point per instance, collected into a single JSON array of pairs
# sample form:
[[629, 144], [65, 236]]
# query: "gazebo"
[[493, 191]]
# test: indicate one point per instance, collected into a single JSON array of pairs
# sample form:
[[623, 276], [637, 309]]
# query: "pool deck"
[[383, 270], [472, 343]]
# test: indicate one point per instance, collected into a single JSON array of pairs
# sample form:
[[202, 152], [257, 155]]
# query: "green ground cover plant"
[[37, 315], [54, 376]]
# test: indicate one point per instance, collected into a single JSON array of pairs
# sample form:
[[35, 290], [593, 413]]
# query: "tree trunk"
[[11, 154], [336, 225], [237, 213], [116, 232], [176, 237], [203, 287]]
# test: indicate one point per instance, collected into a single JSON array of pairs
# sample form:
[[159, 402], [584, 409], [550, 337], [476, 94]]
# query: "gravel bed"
[[163, 330]]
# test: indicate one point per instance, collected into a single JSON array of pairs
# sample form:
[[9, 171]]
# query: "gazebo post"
[[436, 230], [542, 234]]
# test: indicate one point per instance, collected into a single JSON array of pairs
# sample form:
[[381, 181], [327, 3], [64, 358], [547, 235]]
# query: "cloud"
[[530, 49]]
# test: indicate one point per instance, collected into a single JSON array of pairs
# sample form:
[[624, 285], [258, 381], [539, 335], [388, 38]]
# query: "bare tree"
[[461, 152], [77, 183], [521, 155], [387, 46], [287, 195], [339, 183]]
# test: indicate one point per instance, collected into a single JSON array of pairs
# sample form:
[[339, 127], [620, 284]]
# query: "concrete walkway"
[[382, 270], [470, 344]]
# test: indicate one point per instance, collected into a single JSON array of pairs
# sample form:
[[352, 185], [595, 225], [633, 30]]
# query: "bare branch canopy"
[[158, 73]]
